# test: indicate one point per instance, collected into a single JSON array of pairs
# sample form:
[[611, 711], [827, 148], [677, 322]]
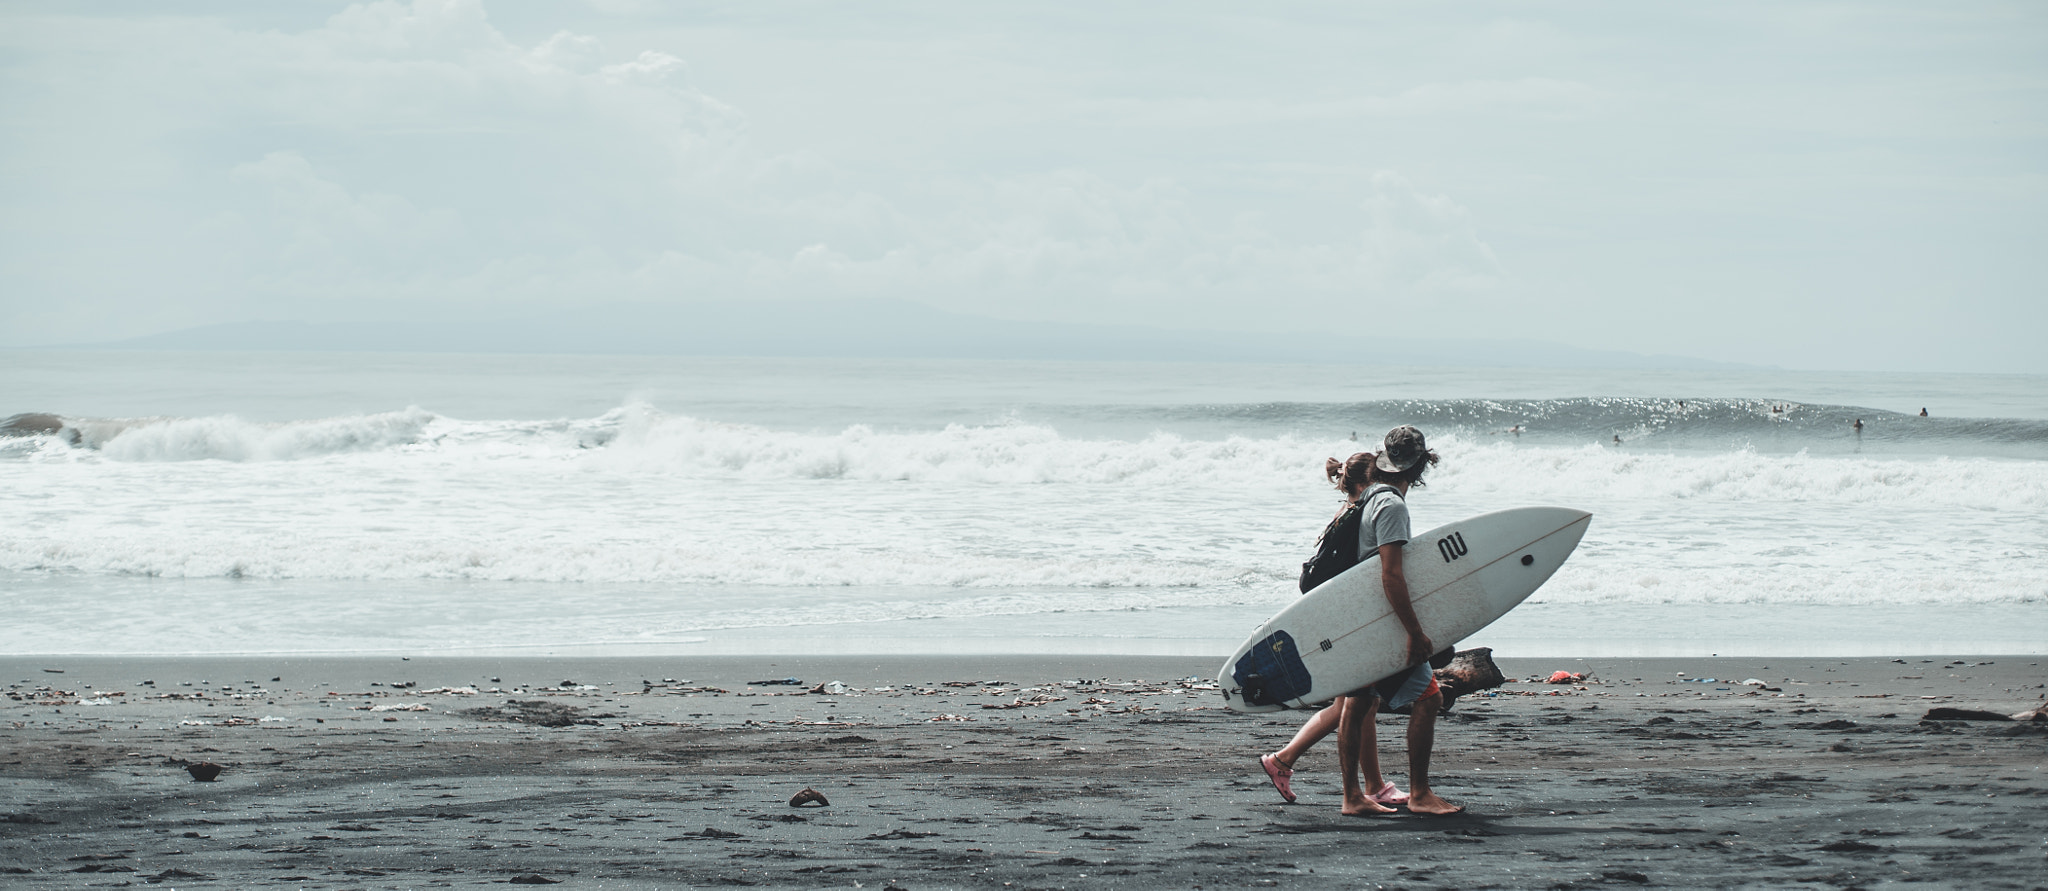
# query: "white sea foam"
[[597, 523], [640, 496], [232, 439]]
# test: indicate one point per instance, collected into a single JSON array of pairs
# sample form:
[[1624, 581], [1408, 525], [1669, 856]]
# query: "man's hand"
[[1419, 648]]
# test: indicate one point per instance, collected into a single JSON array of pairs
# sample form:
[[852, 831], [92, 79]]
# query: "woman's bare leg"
[[1318, 726]]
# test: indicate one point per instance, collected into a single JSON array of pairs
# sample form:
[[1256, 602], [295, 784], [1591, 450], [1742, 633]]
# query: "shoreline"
[[1534, 629], [1037, 772]]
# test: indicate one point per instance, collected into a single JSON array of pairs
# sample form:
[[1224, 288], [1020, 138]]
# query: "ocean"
[[271, 502]]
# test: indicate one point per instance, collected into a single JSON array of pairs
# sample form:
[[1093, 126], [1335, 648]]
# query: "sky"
[[1815, 185]]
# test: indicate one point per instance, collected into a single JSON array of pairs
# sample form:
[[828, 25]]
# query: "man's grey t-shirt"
[[1384, 522]]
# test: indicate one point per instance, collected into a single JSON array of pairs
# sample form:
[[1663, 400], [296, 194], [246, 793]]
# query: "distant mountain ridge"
[[871, 329]]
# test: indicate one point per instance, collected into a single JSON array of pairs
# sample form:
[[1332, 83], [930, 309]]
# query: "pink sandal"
[[1281, 775], [1389, 795]]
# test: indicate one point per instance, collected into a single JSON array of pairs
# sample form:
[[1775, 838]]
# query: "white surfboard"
[[1343, 635]]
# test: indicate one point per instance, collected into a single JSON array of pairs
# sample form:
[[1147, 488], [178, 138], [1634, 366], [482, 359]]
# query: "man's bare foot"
[[1430, 803], [1361, 806]]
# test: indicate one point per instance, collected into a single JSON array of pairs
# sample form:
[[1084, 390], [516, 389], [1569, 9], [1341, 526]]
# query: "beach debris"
[[830, 689], [1469, 671], [1040, 699], [203, 771], [1944, 713], [393, 707], [2037, 713], [899, 834], [533, 711], [1564, 677], [777, 682], [53, 671], [713, 832], [170, 874], [534, 879], [809, 798]]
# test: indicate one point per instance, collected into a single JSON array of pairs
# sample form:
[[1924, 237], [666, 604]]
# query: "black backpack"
[[1337, 550]]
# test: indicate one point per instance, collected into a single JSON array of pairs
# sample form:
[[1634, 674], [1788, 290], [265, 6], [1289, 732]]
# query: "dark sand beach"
[[1068, 772]]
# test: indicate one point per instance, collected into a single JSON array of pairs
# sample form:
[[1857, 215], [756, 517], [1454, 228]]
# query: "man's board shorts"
[[1401, 688]]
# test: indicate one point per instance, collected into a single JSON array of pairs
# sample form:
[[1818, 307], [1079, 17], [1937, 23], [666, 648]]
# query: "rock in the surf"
[[31, 424]]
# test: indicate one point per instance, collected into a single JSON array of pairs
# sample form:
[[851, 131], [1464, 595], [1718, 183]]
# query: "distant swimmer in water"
[[1617, 439], [1777, 409], [1858, 426], [1516, 430], [1923, 412]]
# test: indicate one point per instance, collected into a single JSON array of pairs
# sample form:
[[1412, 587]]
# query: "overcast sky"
[[1808, 185]]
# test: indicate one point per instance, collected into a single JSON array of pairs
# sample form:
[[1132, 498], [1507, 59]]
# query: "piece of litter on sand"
[[203, 771], [1564, 677], [778, 682]]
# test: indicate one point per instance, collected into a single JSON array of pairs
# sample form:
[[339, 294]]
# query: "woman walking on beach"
[[1377, 486]]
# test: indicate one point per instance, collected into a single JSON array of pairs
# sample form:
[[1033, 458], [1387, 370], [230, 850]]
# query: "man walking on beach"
[[1382, 482], [1399, 467]]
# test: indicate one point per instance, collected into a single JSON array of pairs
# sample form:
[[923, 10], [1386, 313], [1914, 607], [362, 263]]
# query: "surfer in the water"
[[1383, 481]]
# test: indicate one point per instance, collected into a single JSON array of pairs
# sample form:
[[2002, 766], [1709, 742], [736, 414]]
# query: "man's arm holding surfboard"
[[1395, 583]]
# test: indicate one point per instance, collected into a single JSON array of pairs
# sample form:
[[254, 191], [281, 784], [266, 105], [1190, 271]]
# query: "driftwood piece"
[[1469, 672], [809, 798]]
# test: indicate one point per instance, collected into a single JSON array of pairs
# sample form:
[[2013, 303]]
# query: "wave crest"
[[229, 438]]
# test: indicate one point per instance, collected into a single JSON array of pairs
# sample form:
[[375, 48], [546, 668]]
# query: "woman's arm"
[[1395, 583]]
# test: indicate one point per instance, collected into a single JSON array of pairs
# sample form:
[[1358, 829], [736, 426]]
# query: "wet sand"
[[1074, 772]]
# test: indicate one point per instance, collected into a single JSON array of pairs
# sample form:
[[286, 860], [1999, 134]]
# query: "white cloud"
[[414, 152], [1537, 172]]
